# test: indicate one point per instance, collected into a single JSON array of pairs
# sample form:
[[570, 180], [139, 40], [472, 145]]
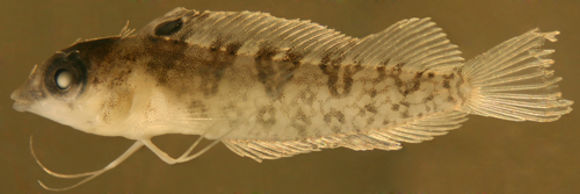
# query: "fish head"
[[53, 89]]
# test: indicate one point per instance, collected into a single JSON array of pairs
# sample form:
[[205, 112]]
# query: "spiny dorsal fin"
[[414, 131], [414, 43], [249, 31]]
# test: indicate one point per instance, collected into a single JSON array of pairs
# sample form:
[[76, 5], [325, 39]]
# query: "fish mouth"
[[19, 104], [20, 107]]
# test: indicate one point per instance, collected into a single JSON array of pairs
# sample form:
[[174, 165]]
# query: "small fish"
[[268, 87]]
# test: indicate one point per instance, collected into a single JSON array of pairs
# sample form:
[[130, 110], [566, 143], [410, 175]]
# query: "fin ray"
[[512, 81], [253, 30], [416, 43], [390, 138]]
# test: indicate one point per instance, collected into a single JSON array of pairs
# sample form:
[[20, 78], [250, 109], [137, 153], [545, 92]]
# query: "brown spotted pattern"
[[273, 75], [272, 94], [340, 77]]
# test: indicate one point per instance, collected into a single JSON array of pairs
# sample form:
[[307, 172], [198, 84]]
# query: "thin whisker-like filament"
[[55, 174], [87, 175], [186, 155], [199, 153], [84, 180], [190, 149]]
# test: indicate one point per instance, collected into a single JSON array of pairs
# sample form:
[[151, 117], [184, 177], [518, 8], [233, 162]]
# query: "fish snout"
[[24, 99], [19, 105]]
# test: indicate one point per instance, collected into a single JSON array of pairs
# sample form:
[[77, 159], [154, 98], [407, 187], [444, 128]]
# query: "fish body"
[[268, 87], [282, 100]]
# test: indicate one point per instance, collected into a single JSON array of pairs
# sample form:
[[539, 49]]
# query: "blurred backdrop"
[[484, 156]]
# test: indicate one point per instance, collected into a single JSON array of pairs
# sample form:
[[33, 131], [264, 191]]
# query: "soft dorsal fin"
[[389, 138], [414, 43], [411, 43], [249, 32]]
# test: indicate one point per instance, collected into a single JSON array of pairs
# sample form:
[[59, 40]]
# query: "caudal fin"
[[512, 81]]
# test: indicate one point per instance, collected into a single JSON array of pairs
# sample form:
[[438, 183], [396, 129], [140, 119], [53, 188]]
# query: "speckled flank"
[[211, 67], [273, 75], [339, 80], [318, 100], [272, 93]]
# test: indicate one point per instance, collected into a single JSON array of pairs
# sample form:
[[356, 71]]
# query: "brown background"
[[484, 156]]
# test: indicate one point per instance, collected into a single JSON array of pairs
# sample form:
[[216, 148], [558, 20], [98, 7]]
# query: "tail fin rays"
[[511, 81]]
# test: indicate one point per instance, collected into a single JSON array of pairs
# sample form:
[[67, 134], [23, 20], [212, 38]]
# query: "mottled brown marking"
[[211, 70], [337, 74], [275, 74], [450, 99], [398, 82], [233, 48], [117, 105], [264, 65], [335, 129], [334, 114], [300, 122], [216, 44], [165, 56], [405, 103], [385, 122], [119, 78], [361, 112], [431, 75], [458, 85], [292, 57], [198, 108], [370, 120], [371, 108], [419, 74], [307, 96], [428, 98], [446, 84], [373, 93], [381, 74], [266, 52], [405, 114], [266, 116], [398, 68], [450, 76], [412, 86], [333, 71], [395, 107]]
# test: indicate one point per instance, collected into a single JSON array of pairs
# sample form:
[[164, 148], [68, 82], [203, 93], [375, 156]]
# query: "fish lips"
[[24, 98]]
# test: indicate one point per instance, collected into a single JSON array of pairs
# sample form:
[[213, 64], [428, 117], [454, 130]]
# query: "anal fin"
[[390, 138]]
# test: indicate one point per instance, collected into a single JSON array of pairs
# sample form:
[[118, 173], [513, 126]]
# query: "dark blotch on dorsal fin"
[[169, 27], [250, 30]]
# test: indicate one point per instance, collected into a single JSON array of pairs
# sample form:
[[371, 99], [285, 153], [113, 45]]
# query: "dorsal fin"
[[389, 138], [412, 43], [249, 31]]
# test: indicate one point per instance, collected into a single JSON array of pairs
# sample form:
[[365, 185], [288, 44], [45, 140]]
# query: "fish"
[[269, 88]]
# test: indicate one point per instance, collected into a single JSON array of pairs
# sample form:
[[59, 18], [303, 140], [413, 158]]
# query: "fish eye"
[[65, 75], [63, 79]]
